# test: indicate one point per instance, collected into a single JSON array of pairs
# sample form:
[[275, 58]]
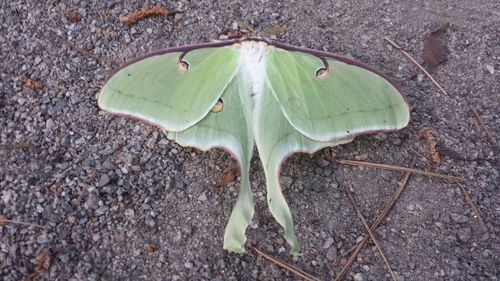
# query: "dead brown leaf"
[[44, 259], [3, 219], [54, 188], [143, 13], [150, 248], [427, 135], [228, 176], [35, 85], [72, 16], [435, 51], [43, 262]]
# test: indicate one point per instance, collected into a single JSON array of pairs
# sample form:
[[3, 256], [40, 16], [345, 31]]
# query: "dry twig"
[[472, 205], [469, 200], [135, 16], [4, 221], [418, 153], [89, 53], [80, 50], [23, 145], [398, 168], [417, 64], [490, 136], [367, 228], [286, 266], [374, 226]]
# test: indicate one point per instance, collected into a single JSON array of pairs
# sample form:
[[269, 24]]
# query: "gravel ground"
[[120, 202]]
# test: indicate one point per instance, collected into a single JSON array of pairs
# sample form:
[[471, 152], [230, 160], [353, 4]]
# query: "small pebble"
[[322, 162], [464, 234], [487, 253], [129, 213], [490, 69], [359, 277], [328, 243], [285, 181], [188, 265], [178, 16], [103, 180], [332, 254], [203, 197], [458, 218]]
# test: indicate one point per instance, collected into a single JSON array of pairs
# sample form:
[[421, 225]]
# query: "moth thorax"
[[253, 65]]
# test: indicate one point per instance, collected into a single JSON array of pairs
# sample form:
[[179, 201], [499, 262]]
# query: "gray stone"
[[322, 162], [102, 210], [359, 277], [332, 254], [286, 182], [92, 201], [458, 218], [328, 243], [149, 220], [108, 165], [129, 213], [103, 180], [107, 151], [464, 234], [188, 265], [317, 186]]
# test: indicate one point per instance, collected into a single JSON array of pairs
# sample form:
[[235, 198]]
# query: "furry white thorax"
[[253, 65]]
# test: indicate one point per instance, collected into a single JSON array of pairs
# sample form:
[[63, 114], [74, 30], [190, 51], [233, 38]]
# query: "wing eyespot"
[[219, 105], [182, 66], [321, 73]]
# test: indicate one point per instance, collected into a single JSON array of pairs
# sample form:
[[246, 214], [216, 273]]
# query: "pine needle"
[[398, 169], [417, 64], [5, 221], [472, 205], [374, 226], [478, 117], [367, 228], [286, 266]]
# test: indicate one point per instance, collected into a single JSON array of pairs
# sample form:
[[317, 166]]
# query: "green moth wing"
[[165, 91], [231, 129], [276, 141], [326, 98], [317, 100]]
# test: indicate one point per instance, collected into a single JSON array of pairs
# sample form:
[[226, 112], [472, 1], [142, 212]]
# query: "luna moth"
[[248, 92]]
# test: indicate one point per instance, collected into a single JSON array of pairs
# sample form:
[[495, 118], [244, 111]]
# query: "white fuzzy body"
[[252, 65]]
